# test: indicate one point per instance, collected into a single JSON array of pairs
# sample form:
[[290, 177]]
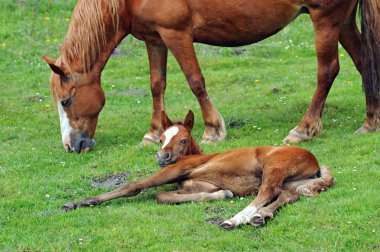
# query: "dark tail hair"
[[370, 40]]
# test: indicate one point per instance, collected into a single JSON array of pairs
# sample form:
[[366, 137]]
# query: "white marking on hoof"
[[169, 134]]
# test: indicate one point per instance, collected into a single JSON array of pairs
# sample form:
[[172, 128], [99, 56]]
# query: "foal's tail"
[[321, 183], [370, 40]]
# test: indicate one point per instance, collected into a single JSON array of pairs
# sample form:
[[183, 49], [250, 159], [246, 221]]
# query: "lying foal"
[[278, 175]]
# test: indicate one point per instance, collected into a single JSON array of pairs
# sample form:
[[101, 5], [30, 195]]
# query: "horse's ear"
[[165, 121], [189, 120], [56, 69]]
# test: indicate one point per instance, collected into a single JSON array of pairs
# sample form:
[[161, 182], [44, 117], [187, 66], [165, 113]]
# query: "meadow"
[[262, 91]]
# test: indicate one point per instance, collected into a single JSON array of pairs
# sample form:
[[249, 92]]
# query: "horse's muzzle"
[[164, 159], [80, 143]]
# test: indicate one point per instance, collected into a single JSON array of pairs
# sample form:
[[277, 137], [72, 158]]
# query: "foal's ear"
[[165, 121], [56, 69], [189, 120]]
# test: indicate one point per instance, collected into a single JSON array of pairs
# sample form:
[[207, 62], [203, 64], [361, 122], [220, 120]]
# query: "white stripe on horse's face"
[[65, 125], [169, 134]]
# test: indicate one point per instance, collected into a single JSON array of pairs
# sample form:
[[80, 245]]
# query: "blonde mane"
[[86, 36]]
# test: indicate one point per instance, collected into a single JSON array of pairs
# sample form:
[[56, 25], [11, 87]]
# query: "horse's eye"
[[184, 141], [66, 103]]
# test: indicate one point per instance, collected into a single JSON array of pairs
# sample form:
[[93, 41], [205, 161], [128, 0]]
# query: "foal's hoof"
[[68, 207], [228, 194], [257, 220], [227, 225]]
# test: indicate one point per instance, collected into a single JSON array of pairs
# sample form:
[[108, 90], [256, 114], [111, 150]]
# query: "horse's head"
[[79, 100], [176, 140]]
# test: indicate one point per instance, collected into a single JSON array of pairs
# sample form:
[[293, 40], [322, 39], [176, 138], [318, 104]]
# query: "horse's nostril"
[[167, 156]]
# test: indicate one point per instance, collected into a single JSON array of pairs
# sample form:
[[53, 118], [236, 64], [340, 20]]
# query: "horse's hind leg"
[[285, 197], [349, 37], [326, 37], [181, 45], [194, 191], [157, 62]]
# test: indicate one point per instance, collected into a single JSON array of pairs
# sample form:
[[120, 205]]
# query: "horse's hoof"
[[148, 140], [228, 194], [257, 220], [227, 225], [365, 130], [296, 137], [68, 207]]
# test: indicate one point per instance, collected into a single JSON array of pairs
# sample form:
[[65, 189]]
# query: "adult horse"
[[278, 175], [98, 26]]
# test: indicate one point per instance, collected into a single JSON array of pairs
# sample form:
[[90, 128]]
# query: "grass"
[[37, 176]]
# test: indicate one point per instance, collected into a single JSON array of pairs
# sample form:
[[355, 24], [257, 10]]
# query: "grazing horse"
[[98, 26], [278, 175]]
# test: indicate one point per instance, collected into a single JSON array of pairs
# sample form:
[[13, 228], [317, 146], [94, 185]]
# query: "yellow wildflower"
[[47, 18], [257, 81]]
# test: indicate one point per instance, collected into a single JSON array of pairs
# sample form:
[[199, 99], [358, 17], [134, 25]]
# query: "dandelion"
[[47, 40], [67, 19], [341, 55], [257, 81], [4, 44], [47, 106], [55, 40], [47, 18]]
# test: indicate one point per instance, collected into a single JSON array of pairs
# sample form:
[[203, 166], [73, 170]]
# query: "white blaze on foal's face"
[[169, 134]]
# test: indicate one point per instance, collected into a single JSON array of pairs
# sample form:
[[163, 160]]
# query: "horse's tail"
[[370, 40], [324, 180]]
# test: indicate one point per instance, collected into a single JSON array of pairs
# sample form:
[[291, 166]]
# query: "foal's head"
[[176, 140]]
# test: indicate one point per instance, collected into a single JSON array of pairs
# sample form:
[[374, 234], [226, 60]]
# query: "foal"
[[278, 175]]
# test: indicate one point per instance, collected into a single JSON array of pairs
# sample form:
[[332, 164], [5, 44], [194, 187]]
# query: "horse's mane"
[[86, 36]]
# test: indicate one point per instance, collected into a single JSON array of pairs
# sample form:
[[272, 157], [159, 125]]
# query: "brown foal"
[[98, 26], [278, 175]]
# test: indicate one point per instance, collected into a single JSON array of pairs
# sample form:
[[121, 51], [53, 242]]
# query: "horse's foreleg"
[[157, 61], [167, 175], [181, 45], [327, 35]]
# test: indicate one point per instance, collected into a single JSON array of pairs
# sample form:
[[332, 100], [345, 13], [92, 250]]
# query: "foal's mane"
[[86, 36]]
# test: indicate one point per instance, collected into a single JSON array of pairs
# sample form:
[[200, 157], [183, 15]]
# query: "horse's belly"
[[240, 22]]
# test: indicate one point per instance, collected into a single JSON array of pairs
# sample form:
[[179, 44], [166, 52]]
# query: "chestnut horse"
[[98, 26], [278, 175]]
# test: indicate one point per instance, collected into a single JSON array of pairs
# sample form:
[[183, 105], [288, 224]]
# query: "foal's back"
[[241, 171]]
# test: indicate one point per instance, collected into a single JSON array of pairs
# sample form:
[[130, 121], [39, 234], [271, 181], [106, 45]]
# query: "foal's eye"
[[67, 102], [184, 141]]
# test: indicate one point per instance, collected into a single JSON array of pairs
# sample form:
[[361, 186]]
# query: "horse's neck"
[[194, 161], [91, 39], [194, 148]]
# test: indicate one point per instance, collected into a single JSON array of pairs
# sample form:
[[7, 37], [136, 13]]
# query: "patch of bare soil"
[[110, 180]]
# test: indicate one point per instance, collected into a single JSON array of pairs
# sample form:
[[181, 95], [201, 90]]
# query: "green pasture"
[[262, 91]]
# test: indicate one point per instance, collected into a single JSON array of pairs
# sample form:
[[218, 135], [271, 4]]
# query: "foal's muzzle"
[[164, 159]]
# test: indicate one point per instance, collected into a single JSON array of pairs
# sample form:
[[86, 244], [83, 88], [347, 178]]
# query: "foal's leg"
[[286, 196], [326, 38], [269, 189], [157, 61], [164, 176], [181, 45], [194, 191], [291, 192]]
